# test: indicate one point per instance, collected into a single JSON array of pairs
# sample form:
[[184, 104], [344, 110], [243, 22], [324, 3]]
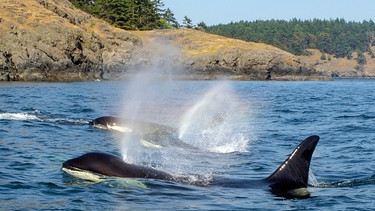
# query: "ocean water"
[[243, 129]]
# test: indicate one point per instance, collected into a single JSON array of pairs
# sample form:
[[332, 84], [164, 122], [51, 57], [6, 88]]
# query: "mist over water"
[[144, 90], [205, 122], [151, 83]]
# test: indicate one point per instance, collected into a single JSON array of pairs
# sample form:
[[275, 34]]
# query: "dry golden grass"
[[31, 16], [340, 65], [195, 42]]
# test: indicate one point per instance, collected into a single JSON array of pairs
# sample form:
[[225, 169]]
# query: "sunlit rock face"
[[51, 40]]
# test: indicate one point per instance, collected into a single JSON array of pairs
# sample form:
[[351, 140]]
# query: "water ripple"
[[44, 124]]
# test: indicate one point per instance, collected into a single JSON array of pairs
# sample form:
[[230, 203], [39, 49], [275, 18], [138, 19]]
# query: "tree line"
[[135, 14], [336, 37], [130, 14]]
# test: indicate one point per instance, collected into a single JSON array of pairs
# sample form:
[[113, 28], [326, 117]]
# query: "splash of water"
[[39, 116], [312, 178], [130, 148], [211, 122], [18, 116]]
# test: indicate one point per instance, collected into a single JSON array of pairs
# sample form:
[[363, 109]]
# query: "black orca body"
[[291, 176], [110, 165], [151, 132]]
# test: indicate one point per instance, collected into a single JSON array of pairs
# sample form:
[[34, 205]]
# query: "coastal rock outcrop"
[[253, 65], [51, 40], [208, 56]]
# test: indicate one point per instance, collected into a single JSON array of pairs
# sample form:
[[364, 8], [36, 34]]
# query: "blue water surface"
[[243, 129]]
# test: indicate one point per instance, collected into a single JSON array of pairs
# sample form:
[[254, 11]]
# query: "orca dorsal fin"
[[294, 172]]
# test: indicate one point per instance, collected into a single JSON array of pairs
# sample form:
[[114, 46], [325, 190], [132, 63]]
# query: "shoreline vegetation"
[[52, 40]]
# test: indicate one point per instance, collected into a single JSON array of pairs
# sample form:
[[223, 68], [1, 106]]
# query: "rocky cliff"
[[50, 40], [208, 56]]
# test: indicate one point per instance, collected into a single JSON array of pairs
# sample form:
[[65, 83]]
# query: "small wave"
[[348, 183], [67, 121], [364, 116], [285, 111], [18, 116], [200, 180], [36, 115]]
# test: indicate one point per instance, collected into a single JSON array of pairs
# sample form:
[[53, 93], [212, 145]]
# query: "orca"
[[290, 180], [151, 134], [110, 123], [110, 165]]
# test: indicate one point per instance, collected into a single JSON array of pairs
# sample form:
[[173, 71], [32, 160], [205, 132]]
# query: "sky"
[[213, 12]]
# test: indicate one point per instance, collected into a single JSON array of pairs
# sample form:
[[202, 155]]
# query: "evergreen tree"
[[201, 26], [171, 20], [323, 56], [187, 22], [361, 59], [335, 37], [127, 14]]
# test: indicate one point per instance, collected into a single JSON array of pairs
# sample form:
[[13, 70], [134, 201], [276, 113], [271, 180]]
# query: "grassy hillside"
[[195, 42], [52, 40], [341, 67], [198, 43]]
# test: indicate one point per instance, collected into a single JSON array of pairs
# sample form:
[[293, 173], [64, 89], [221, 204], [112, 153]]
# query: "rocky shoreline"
[[50, 40]]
